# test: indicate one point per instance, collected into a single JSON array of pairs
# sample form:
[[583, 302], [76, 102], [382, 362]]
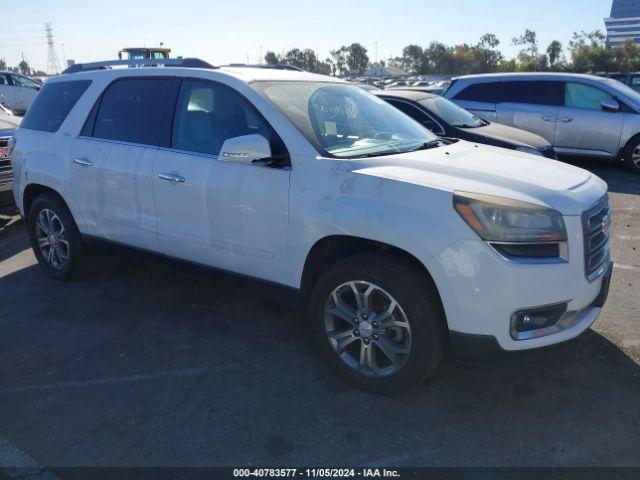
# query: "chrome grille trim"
[[596, 229], [6, 173]]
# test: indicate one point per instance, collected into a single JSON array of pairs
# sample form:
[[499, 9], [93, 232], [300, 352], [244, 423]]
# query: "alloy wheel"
[[367, 329], [635, 156], [52, 239]]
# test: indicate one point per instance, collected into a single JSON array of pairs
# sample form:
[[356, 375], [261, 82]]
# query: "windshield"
[[345, 121], [624, 89], [451, 113]]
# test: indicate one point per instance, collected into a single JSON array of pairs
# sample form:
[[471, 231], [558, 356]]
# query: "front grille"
[[596, 227], [6, 175]]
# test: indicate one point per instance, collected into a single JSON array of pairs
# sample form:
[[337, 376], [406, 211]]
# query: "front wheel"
[[377, 320], [631, 155]]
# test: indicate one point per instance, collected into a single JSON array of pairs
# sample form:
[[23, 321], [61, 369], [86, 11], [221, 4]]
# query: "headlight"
[[529, 150], [514, 228]]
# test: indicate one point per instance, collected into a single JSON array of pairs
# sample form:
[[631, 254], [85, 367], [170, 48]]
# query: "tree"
[[3, 64], [357, 59], [413, 59], [590, 52], [554, 50], [488, 57], [24, 67], [529, 57], [271, 58], [338, 61]]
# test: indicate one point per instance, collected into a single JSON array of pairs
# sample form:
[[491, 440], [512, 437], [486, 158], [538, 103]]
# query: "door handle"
[[83, 161], [565, 119], [549, 118], [171, 177]]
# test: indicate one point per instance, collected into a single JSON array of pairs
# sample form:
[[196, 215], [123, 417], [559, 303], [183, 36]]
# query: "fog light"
[[536, 318]]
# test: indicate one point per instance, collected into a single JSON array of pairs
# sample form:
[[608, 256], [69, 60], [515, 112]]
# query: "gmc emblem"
[[4, 152]]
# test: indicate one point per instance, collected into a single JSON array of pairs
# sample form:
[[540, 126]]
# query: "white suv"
[[400, 244]]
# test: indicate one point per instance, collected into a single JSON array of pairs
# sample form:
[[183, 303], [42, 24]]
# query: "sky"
[[239, 30]]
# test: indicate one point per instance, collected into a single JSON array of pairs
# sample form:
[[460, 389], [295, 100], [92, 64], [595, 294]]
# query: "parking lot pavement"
[[142, 366]]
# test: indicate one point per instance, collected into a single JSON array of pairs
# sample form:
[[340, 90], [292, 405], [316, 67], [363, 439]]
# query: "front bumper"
[[474, 348], [480, 291]]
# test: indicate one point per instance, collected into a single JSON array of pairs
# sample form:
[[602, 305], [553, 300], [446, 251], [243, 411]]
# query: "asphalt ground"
[[140, 365]]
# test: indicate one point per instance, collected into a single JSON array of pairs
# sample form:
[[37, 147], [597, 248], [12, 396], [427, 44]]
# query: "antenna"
[[52, 61]]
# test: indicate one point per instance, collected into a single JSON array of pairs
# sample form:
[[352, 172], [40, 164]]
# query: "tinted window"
[[208, 114], [416, 114], [451, 113], [131, 111], [532, 92], [52, 105], [578, 95], [480, 92]]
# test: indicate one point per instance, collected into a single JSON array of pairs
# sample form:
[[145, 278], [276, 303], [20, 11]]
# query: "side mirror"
[[610, 105], [245, 149]]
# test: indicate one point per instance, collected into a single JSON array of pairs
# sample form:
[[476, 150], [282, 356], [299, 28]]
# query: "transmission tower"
[[52, 62]]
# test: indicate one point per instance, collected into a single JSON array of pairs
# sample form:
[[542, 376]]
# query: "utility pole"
[[53, 68]]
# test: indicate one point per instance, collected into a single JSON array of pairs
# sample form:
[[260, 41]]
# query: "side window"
[[53, 104], [579, 95], [533, 92], [131, 111], [208, 114], [24, 82], [418, 115], [4, 80], [480, 92]]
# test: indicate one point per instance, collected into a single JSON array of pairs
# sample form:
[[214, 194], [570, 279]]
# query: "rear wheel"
[[55, 238], [631, 155], [378, 322]]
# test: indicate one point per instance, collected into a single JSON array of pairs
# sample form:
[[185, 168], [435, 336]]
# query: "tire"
[[417, 350], [631, 155], [50, 207]]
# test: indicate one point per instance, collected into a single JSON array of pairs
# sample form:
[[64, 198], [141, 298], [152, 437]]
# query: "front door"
[[231, 216], [25, 91], [584, 128], [7, 92], [112, 163]]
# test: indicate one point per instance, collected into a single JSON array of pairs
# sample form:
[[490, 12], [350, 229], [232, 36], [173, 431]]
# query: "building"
[[382, 70], [624, 22]]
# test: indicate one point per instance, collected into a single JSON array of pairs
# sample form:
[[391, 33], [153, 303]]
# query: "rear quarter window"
[[480, 92], [52, 105]]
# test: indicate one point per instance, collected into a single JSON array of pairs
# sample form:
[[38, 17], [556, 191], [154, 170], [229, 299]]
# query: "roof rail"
[[140, 62], [279, 66]]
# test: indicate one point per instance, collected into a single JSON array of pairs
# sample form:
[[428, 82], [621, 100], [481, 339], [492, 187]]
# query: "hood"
[[9, 122], [515, 136], [466, 167]]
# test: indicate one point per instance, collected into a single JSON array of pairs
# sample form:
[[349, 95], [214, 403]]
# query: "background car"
[[447, 119], [8, 124], [580, 115], [17, 91]]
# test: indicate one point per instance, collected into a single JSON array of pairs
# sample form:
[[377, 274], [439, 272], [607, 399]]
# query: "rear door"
[[111, 172], [531, 105], [480, 98], [584, 128]]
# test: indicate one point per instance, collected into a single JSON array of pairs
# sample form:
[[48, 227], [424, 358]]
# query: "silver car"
[[580, 115]]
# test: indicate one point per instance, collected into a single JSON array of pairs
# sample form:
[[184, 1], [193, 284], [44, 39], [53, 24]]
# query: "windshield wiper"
[[427, 145]]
